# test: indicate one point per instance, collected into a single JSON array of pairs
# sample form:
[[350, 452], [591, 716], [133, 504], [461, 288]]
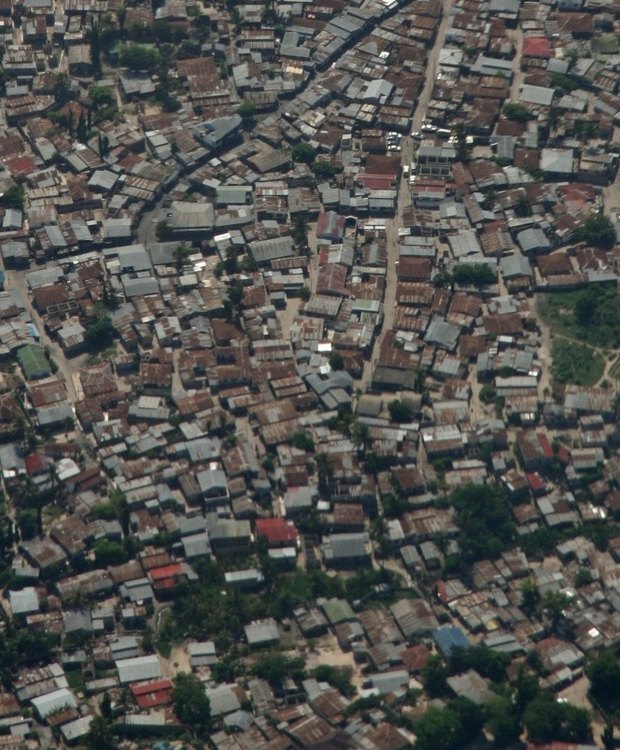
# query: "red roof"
[[276, 530], [150, 694], [166, 571], [537, 46], [34, 463], [376, 181], [535, 481], [545, 445], [20, 165], [415, 657]]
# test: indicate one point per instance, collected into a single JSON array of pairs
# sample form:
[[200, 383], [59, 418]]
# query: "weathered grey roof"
[[138, 669]]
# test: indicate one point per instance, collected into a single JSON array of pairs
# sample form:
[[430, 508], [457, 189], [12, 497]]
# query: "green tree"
[[109, 553], [399, 411], [27, 522], [522, 206], [191, 704], [234, 300], [360, 435], [604, 674], [471, 717], [325, 170], [607, 737], [247, 113], [434, 676], [300, 234], [248, 264], [516, 111], [597, 231], [546, 720], [477, 274], [276, 667], [526, 689], [181, 254], [462, 147], [336, 361], [303, 441], [62, 89], [303, 153], [325, 471], [13, 197], [105, 706], [100, 735], [583, 577], [484, 520], [139, 57], [304, 293], [555, 604], [502, 723], [163, 231], [438, 729], [530, 597], [82, 129], [231, 261], [95, 48], [337, 677], [99, 334]]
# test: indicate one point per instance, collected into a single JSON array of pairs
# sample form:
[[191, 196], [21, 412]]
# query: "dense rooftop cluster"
[[310, 344]]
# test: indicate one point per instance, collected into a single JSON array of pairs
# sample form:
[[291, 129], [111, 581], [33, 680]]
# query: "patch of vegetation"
[[399, 411], [476, 274], [303, 153], [591, 315], [597, 230], [336, 677], [139, 57], [575, 363], [516, 111], [485, 524]]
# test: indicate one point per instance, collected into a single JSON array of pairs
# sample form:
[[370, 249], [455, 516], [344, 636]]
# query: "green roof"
[[33, 361], [337, 610]]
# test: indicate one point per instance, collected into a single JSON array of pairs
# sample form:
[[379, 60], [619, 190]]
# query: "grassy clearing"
[[591, 315], [576, 363]]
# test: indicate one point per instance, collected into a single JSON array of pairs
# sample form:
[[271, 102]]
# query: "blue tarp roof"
[[448, 638]]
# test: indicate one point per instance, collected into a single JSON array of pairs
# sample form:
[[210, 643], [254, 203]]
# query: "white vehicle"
[[428, 128], [416, 135]]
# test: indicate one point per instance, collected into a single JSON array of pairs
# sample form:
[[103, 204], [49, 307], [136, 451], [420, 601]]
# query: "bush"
[[515, 111]]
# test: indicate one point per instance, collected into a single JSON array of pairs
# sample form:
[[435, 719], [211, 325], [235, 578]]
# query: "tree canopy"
[[604, 674], [399, 411], [485, 525], [99, 334], [139, 57], [477, 274], [598, 231], [191, 703], [303, 153]]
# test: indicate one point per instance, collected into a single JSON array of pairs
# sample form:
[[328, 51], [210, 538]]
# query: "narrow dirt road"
[[404, 194]]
